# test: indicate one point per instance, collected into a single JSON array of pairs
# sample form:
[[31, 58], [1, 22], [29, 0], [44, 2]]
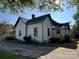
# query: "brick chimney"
[[33, 16]]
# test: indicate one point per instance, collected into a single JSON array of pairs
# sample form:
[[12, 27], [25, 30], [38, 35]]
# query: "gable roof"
[[41, 19], [20, 18], [38, 19], [66, 25]]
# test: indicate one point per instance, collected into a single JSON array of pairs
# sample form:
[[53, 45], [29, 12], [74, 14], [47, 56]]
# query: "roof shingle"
[[41, 19]]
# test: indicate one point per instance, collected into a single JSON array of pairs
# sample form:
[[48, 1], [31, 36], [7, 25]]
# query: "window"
[[58, 31], [19, 32], [35, 32], [48, 32]]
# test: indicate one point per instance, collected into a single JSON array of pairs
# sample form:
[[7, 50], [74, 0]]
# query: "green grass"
[[15, 41], [67, 45], [7, 55]]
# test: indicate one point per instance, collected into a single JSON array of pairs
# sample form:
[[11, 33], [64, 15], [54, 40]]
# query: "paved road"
[[41, 52]]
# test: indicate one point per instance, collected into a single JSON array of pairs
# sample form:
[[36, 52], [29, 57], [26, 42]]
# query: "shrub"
[[67, 38], [10, 38], [54, 40], [45, 41], [27, 39]]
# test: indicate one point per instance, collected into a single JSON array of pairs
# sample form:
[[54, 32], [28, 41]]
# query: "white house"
[[40, 28]]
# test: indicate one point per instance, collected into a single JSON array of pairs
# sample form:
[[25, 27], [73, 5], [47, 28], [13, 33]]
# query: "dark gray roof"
[[41, 19], [22, 18], [37, 19], [66, 25]]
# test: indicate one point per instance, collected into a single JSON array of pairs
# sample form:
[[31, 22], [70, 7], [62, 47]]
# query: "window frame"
[[58, 31], [48, 31], [19, 32], [35, 31]]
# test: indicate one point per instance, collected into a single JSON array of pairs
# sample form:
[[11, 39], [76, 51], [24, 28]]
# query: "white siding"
[[30, 31], [63, 32], [42, 30], [55, 35], [47, 24], [20, 26]]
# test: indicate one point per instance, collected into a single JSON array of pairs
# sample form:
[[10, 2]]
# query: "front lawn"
[[7, 55], [15, 41], [67, 45]]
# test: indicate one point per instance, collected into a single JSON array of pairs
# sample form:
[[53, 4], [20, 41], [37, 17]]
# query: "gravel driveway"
[[41, 52]]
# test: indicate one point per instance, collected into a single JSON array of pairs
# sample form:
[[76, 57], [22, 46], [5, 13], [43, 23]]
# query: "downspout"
[[42, 32], [26, 30]]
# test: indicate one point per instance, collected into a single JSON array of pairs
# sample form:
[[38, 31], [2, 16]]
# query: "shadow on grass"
[[71, 45]]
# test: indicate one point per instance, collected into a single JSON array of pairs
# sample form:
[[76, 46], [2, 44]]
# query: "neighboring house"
[[40, 28]]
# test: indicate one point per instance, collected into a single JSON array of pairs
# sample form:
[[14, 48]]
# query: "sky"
[[61, 17]]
